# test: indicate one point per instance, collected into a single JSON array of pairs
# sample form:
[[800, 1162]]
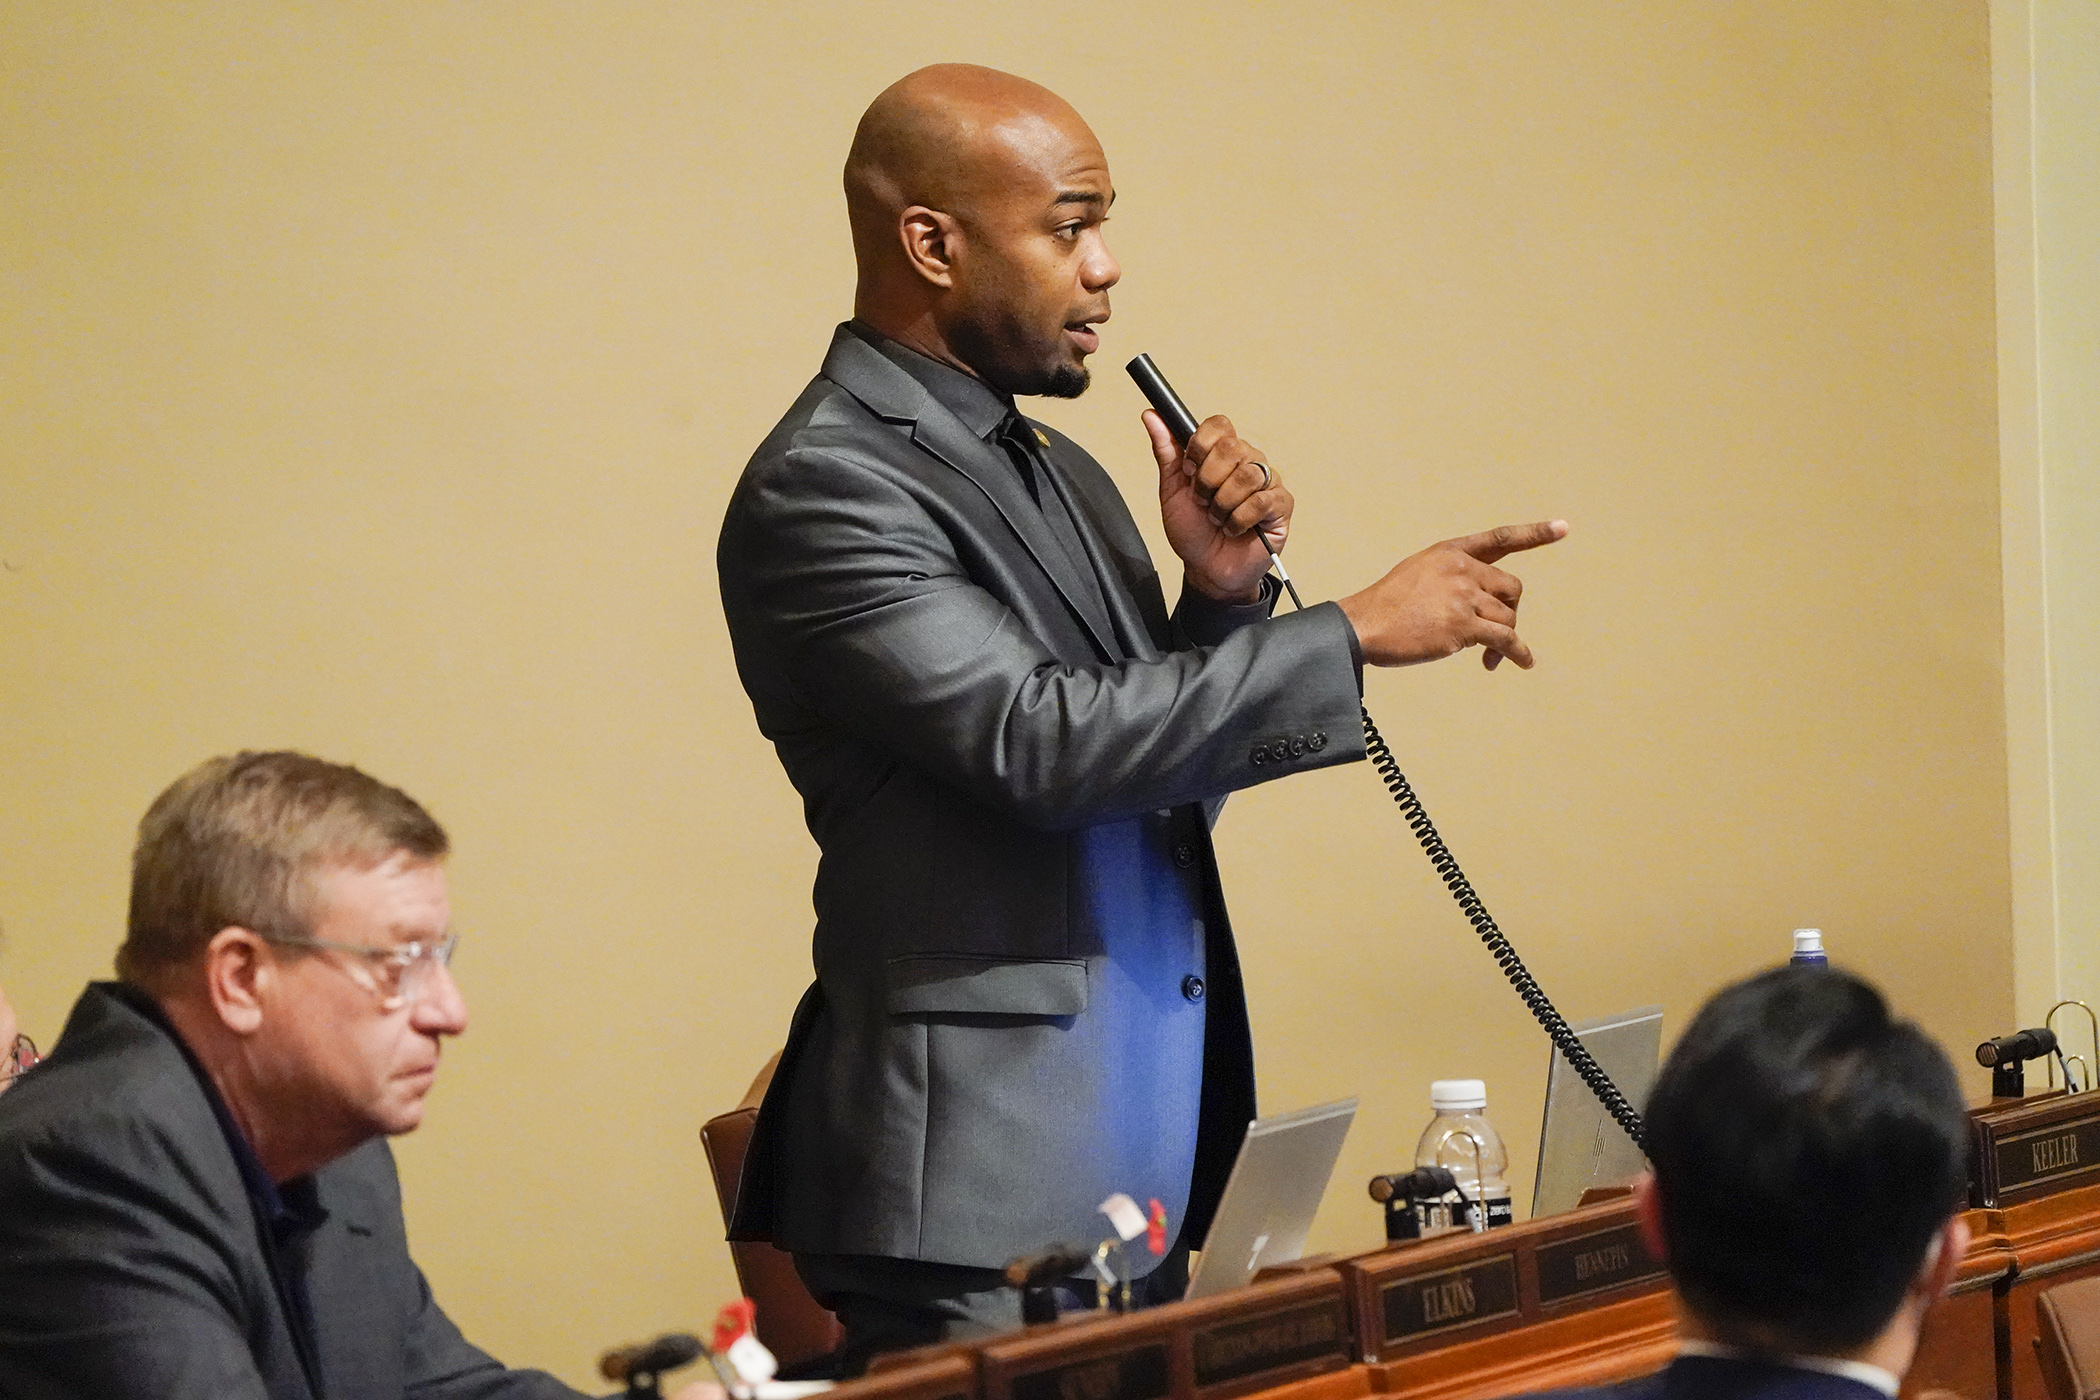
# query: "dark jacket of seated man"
[[1810, 1155], [196, 1195]]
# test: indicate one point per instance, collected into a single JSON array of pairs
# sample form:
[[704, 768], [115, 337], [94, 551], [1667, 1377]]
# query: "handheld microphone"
[[666, 1353], [2014, 1048], [1172, 411], [1181, 424]]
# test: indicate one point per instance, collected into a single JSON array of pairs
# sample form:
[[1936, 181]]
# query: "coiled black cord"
[[1499, 947]]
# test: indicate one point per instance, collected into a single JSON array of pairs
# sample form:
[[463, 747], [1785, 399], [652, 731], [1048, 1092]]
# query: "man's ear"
[[930, 240], [238, 968], [1942, 1257], [1648, 1212]]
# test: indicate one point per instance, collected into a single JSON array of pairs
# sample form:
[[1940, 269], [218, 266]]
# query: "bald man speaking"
[[1008, 749]]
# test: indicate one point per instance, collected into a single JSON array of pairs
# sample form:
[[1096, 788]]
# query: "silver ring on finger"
[[1268, 478]]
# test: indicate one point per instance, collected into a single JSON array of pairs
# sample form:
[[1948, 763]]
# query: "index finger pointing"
[[1490, 545]]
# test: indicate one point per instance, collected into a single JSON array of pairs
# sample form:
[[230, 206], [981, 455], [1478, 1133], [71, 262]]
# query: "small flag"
[[1156, 1227], [737, 1344], [1123, 1213]]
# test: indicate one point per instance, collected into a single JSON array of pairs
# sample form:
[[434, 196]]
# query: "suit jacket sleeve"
[[858, 608], [367, 1267], [443, 1365]]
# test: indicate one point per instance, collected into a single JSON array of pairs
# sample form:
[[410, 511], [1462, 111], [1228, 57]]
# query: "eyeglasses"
[[21, 1058], [400, 976]]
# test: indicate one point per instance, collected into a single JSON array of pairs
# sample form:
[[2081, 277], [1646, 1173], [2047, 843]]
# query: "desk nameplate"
[[1139, 1372], [1237, 1355], [2025, 1151], [1094, 1356], [1591, 1263], [1421, 1305]]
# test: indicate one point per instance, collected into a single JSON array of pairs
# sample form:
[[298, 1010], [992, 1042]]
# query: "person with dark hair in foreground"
[[1810, 1157], [197, 1201]]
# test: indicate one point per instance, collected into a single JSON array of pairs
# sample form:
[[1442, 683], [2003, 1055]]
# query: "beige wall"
[[372, 378], [2045, 57]]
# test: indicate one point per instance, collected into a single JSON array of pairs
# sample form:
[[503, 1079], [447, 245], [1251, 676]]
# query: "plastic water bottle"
[[1462, 1141], [1808, 948]]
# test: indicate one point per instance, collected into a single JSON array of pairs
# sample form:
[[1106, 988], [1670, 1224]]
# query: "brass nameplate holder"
[[2027, 1150]]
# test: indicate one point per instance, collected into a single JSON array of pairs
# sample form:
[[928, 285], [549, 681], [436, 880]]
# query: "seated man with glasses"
[[196, 1194]]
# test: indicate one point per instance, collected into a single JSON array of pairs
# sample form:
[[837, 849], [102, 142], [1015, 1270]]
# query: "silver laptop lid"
[[1579, 1145], [1270, 1199]]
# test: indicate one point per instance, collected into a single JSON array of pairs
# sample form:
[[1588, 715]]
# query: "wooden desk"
[[2051, 1240], [1566, 1301]]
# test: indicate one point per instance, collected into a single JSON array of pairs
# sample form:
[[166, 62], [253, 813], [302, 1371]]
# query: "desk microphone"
[[2020, 1045], [666, 1353], [1422, 1181]]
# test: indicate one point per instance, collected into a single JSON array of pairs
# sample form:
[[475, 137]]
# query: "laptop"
[[1272, 1195], [1580, 1145]]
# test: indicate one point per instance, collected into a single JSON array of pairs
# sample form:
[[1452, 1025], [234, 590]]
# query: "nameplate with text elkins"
[[1415, 1297]]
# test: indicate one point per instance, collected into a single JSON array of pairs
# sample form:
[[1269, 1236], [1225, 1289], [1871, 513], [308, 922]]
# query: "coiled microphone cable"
[[1499, 947], [1181, 424]]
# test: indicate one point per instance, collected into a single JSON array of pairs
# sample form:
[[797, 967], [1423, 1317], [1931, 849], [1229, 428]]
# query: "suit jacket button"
[[1192, 987], [1259, 756], [1298, 746], [1317, 741], [1184, 854], [1280, 750]]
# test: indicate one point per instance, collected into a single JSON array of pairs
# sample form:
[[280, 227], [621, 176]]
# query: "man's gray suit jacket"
[[132, 1261], [1008, 786]]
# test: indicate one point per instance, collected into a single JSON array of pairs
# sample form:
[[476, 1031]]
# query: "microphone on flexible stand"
[[1399, 1191], [2005, 1056], [642, 1365]]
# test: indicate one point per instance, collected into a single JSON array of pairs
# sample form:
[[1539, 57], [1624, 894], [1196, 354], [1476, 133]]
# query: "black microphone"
[[1059, 1261], [2012, 1049], [666, 1353], [1172, 411], [1181, 424], [1409, 1186]]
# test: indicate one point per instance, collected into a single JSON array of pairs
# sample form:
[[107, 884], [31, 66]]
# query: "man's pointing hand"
[[1449, 597]]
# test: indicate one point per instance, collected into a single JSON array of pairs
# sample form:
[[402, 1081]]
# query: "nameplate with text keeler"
[[2028, 1150]]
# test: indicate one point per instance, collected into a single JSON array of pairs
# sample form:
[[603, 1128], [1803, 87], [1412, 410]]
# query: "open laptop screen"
[[1580, 1145], [1270, 1199]]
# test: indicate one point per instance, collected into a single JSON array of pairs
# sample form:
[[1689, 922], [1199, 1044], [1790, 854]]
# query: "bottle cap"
[[1808, 940], [1458, 1095]]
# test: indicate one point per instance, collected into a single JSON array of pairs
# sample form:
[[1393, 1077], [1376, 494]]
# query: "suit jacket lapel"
[[862, 371]]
